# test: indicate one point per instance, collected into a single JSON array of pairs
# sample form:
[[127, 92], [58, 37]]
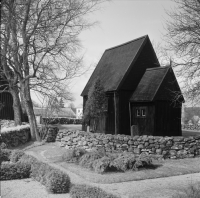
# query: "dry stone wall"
[[15, 136], [167, 147]]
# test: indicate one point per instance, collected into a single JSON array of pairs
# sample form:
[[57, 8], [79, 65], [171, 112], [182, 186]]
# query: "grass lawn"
[[187, 133]]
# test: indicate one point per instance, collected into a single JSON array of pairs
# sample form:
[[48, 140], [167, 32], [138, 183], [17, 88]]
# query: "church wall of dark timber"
[[145, 124], [167, 119], [145, 60], [6, 112], [124, 112], [110, 115], [162, 119]]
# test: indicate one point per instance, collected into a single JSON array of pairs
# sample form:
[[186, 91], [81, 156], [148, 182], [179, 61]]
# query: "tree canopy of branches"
[[40, 45], [183, 38], [96, 103]]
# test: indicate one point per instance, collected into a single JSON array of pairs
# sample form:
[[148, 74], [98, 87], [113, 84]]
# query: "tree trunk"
[[16, 106], [25, 91], [23, 107]]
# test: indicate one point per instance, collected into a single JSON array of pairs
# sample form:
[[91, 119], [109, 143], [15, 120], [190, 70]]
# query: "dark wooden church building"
[[6, 112], [140, 92]]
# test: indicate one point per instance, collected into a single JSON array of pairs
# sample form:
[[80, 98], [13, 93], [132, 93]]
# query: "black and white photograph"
[[100, 99]]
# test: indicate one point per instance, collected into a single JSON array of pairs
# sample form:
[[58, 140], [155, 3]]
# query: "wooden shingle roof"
[[150, 88], [115, 63]]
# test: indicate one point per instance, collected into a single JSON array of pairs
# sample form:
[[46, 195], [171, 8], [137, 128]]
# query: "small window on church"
[[138, 113], [143, 112]]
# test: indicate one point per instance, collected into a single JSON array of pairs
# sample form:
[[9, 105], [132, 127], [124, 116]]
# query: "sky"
[[119, 21]]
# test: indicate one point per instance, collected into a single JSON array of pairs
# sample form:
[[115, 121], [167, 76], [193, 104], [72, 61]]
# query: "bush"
[[39, 170], [102, 165], [143, 161], [57, 182], [17, 170], [87, 159], [124, 162], [73, 155], [16, 155], [84, 191], [3, 145], [5, 155]]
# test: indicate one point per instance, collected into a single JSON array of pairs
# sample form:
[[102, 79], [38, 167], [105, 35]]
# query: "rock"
[[140, 146], [137, 150]]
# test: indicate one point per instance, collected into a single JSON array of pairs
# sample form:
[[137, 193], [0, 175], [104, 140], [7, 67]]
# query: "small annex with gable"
[[155, 109], [125, 71]]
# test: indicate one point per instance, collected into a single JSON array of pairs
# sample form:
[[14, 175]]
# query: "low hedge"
[[39, 171], [54, 180], [57, 182], [62, 121], [25, 166], [5, 155], [14, 136], [16, 155], [17, 170], [85, 191]]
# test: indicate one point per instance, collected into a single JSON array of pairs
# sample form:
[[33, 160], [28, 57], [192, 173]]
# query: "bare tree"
[[40, 42], [183, 38]]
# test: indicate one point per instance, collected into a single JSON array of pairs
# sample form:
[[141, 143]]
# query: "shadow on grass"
[[113, 169], [151, 167]]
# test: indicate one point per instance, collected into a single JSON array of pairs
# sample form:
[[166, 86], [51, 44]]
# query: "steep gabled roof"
[[156, 83], [115, 63]]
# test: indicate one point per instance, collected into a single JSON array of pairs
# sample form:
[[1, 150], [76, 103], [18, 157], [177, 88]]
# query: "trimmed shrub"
[[17, 170], [3, 145], [73, 155], [85, 191], [16, 155], [87, 159], [13, 136], [4, 155], [57, 182], [39, 170], [28, 159]]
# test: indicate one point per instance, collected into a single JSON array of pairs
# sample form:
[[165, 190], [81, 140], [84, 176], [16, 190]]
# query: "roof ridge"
[[127, 42], [161, 67]]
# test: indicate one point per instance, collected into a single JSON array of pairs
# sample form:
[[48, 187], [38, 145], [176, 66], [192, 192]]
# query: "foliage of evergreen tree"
[[1, 105], [96, 103]]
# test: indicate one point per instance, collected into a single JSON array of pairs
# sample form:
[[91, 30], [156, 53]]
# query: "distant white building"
[[79, 112]]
